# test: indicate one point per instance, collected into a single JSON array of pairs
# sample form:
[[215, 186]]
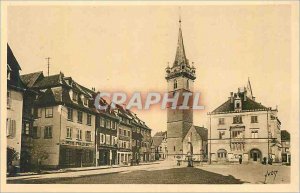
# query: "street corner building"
[[15, 94], [244, 130], [52, 123], [184, 139], [63, 126]]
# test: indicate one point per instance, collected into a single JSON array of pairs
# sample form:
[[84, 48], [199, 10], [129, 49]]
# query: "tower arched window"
[[187, 83], [175, 84]]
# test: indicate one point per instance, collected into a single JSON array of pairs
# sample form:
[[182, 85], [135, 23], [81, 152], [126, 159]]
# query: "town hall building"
[[242, 128]]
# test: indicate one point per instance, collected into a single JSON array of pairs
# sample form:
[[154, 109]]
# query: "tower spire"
[[180, 57]]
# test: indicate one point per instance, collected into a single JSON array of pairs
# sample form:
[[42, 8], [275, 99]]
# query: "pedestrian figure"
[[240, 159]]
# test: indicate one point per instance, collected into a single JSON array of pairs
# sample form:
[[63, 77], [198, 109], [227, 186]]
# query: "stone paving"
[[166, 173]]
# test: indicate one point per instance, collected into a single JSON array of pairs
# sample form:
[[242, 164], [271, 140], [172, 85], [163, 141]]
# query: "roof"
[[50, 81], [180, 57], [157, 140], [13, 67], [30, 79], [203, 132], [285, 135], [11, 59], [249, 104], [160, 134]]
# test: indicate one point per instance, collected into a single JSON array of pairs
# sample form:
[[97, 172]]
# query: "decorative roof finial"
[[180, 17]]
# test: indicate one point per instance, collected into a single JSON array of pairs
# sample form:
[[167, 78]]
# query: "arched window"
[[222, 153], [175, 84], [187, 83]]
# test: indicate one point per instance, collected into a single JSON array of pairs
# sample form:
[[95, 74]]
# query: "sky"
[[127, 48]]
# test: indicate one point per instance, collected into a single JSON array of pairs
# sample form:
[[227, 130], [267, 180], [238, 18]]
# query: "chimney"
[[245, 95], [231, 97], [253, 98], [239, 90]]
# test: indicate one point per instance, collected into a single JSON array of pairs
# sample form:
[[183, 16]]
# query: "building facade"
[[14, 106], [106, 144], [244, 128], [195, 143], [160, 145], [286, 145], [64, 122]]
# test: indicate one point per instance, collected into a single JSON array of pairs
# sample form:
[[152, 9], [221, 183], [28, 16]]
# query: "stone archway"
[[255, 155]]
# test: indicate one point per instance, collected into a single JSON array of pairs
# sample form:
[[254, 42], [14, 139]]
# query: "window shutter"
[[86, 135], [92, 136], [13, 128], [7, 127]]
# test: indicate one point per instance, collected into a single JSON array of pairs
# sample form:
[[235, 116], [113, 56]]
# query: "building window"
[[102, 124], [79, 116], [113, 125], [8, 99], [222, 153], [254, 119], [108, 140], [49, 112], [237, 134], [69, 133], [128, 133], [254, 134], [175, 84], [89, 119], [79, 135], [237, 119], [88, 136], [120, 131], [37, 113], [85, 101], [26, 129], [221, 121], [107, 124], [221, 134], [70, 114], [174, 148], [124, 132], [102, 138], [35, 132], [75, 96], [11, 128], [48, 132]]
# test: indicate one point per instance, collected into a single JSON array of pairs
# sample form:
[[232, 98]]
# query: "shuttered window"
[[11, 128]]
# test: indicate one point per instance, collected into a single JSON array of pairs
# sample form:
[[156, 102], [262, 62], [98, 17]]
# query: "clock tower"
[[180, 78]]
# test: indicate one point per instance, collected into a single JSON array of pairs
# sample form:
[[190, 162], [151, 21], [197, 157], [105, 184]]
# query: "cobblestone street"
[[165, 173]]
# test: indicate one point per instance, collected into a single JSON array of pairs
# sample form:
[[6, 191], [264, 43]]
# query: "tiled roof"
[[30, 79], [203, 132], [157, 140], [249, 104], [49, 81]]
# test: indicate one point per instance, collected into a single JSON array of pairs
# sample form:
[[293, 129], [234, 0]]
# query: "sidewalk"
[[67, 170]]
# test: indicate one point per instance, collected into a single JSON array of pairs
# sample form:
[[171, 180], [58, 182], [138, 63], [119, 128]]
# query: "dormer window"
[[75, 96], [237, 104], [85, 101], [175, 84]]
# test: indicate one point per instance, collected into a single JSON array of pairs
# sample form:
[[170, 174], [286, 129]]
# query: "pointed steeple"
[[180, 57]]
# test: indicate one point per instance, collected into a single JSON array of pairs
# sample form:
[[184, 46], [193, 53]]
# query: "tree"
[[11, 155], [38, 154]]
